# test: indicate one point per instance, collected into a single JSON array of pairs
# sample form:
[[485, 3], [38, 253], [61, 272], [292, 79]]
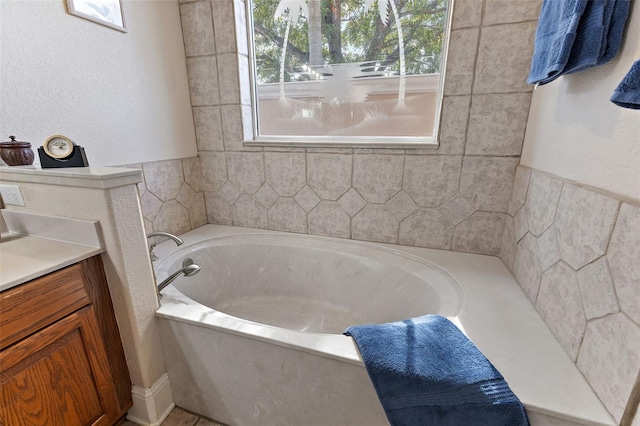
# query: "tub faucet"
[[177, 240], [188, 269]]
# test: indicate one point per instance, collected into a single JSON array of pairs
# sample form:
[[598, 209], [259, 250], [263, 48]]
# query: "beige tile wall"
[[171, 196], [455, 198], [576, 254]]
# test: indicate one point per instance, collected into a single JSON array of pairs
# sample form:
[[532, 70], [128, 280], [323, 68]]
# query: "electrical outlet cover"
[[11, 195]]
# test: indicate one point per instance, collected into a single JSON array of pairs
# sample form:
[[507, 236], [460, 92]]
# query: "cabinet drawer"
[[31, 306]]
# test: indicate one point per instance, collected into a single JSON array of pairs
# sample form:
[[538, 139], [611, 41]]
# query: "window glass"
[[347, 68]]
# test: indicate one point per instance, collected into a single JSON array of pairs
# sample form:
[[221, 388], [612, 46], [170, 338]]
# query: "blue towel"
[[615, 30], [589, 38], [426, 372], [606, 22], [574, 35], [602, 23], [627, 94], [555, 34]]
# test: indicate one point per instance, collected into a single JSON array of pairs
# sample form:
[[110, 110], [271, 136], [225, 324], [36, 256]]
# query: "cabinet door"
[[58, 376]]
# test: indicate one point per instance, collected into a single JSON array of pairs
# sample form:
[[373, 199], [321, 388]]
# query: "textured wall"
[[454, 198], [575, 253], [123, 96]]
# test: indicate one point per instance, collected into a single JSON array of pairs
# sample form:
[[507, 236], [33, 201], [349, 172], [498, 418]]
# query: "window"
[[354, 71]]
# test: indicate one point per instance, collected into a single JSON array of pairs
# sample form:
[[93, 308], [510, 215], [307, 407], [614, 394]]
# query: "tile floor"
[[180, 417]]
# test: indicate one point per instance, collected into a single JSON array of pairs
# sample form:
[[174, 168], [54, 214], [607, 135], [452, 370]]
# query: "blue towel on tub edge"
[[427, 372]]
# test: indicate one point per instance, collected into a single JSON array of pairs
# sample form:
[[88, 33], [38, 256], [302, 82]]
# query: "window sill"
[[366, 143]]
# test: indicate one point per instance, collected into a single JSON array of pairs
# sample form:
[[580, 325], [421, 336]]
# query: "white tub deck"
[[496, 315]]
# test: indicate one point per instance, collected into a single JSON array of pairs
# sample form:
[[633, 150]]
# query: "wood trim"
[[98, 291], [100, 366], [29, 307]]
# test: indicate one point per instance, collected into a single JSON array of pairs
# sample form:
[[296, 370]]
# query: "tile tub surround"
[[171, 196], [575, 252], [453, 198]]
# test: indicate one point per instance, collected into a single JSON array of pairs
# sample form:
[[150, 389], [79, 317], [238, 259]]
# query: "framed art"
[[104, 12]]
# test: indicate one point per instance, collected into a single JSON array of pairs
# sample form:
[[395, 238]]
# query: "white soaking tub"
[[255, 337]]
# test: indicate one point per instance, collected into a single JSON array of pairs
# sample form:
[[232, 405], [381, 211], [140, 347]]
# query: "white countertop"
[[38, 244], [23, 258]]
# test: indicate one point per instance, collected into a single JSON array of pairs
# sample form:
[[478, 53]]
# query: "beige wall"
[[575, 132], [453, 198], [123, 96]]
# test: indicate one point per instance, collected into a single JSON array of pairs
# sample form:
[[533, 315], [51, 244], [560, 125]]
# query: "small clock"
[[60, 151], [58, 146]]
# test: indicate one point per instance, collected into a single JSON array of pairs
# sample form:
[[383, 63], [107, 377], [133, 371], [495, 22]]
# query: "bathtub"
[[255, 338]]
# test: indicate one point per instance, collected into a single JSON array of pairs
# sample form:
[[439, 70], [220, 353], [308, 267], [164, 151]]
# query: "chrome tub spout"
[[177, 240]]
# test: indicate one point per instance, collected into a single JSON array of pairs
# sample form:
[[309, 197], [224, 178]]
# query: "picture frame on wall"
[[109, 13]]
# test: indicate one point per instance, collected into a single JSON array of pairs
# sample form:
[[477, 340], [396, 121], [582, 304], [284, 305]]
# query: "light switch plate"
[[11, 195]]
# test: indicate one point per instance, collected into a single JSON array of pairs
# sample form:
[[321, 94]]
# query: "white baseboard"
[[151, 405]]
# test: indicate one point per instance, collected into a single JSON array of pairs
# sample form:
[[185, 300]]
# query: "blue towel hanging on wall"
[[555, 35], [427, 372], [627, 94], [574, 35], [609, 6], [615, 29], [589, 38]]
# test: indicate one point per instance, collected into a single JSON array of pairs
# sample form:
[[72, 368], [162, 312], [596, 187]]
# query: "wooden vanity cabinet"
[[61, 358]]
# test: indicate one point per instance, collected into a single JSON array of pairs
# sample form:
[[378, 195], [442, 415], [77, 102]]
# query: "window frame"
[[389, 142]]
